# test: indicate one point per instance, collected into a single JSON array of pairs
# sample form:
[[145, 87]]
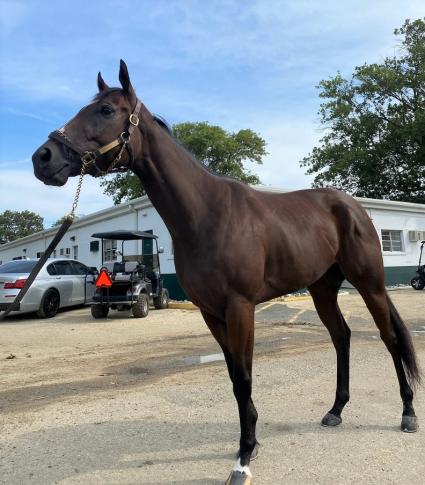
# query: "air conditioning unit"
[[415, 236]]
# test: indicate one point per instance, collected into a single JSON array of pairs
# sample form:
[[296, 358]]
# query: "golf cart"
[[418, 282], [135, 281]]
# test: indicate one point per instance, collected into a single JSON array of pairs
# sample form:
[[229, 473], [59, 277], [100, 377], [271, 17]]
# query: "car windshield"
[[18, 266]]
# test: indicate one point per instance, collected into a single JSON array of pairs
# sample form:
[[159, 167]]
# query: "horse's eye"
[[106, 110]]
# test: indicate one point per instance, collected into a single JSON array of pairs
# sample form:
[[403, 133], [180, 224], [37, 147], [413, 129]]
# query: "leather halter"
[[90, 157]]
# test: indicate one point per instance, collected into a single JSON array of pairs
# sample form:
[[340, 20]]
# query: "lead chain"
[[84, 165], [71, 215]]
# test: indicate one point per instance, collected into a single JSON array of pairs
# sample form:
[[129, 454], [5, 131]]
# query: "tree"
[[221, 152], [15, 224], [374, 145]]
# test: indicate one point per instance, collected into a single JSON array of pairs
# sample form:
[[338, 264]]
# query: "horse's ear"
[[125, 79], [101, 83]]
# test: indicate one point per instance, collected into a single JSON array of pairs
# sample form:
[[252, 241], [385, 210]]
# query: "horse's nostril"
[[45, 154]]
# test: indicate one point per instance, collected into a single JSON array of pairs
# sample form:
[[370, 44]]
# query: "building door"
[[147, 251]]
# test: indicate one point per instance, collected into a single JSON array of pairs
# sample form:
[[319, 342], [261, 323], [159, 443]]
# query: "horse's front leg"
[[240, 344]]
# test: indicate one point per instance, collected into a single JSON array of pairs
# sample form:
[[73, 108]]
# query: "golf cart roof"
[[124, 235]]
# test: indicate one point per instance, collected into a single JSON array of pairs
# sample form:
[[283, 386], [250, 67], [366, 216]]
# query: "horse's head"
[[97, 135]]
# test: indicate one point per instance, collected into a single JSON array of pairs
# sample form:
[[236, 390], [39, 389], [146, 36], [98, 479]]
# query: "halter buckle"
[[125, 137], [88, 157], [134, 119]]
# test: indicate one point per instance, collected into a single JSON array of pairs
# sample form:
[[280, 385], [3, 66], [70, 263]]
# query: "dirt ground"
[[148, 401]]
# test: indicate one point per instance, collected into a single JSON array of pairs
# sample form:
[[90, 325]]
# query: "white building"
[[400, 226]]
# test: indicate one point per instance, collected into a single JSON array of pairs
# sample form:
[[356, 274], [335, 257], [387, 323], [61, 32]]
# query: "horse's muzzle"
[[51, 166]]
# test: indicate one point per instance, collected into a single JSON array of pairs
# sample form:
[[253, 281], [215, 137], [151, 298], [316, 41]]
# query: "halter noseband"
[[89, 158]]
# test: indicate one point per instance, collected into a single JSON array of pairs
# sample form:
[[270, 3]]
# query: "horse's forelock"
[[101, 95]]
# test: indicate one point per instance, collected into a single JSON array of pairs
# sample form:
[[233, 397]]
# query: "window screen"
[[392, 241]]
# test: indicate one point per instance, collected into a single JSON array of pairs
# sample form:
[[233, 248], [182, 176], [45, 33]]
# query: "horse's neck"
[[179, 187]]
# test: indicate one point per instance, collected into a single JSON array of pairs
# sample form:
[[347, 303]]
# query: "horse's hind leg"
[[325, 293], [397, 339]]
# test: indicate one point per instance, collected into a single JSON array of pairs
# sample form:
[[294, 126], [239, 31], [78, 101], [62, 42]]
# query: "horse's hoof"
[[331, 420], [239, 478], [254, 454], [409, 424]]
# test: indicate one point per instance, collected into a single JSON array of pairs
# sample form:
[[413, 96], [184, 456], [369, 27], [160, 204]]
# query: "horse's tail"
[[405, 346]]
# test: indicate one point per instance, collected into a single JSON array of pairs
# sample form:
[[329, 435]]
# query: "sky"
[[238, 64]]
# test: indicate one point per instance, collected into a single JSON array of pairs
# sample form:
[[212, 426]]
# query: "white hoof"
[[241, 475]]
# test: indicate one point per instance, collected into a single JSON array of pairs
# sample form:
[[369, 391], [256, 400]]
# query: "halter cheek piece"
[[89, 158]]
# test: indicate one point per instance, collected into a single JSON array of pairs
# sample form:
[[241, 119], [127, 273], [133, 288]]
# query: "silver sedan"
[[60, 283]]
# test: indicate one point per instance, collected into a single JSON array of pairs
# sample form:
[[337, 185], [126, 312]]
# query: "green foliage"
[[14, 225], [374, 144], [221, 152], [122, 187], [60, 221]]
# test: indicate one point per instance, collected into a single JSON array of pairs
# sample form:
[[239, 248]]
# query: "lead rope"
[[66, 224], [69, 219]]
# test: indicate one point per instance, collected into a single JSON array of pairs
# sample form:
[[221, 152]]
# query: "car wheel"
[[161, 301], [99, 311], [417, 283], [141, 307], [49, 305]]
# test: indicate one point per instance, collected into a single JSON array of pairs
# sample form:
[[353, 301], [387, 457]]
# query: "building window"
[[54, 253], [94, 246], [392, 241], [75, 252], [109, 250], [67, 252], [39, 254], [61, 251]]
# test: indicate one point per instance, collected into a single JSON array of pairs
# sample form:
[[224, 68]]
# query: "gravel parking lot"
[[148, 401]]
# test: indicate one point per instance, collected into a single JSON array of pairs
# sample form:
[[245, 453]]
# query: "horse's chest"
[[212, 278], [203, 278]]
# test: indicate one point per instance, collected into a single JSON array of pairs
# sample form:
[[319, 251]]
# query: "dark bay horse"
[[236, 247]]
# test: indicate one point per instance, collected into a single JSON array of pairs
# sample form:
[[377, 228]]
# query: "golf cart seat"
[[126, 270], [131, 266], [114, 267], [109, 266]]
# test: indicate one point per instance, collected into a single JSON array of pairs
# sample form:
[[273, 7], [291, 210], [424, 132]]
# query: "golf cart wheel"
[[100, 311], [49, 305], [161, 301], [141, 307], [417, 283]]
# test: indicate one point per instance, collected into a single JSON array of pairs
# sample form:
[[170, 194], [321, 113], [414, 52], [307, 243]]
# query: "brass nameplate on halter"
[[109, 146]]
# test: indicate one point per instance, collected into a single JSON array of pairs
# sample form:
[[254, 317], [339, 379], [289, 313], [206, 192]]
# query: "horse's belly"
[[288, 271]]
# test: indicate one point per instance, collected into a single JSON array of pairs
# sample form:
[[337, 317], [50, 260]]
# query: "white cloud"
[[237, 64], [276, 38], [22, 191], [288, 141]]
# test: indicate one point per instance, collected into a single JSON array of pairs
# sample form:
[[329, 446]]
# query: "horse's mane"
[[163, 123]]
